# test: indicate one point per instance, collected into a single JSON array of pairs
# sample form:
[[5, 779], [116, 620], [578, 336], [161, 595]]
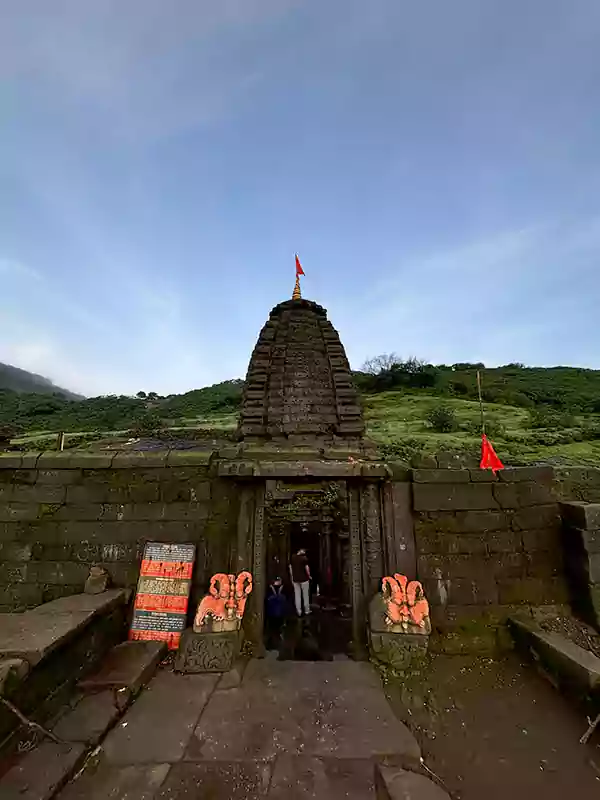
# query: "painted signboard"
[[161, 601]]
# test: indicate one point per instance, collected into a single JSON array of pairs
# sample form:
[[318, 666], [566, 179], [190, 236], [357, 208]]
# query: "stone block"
[[541, 539], [57, 572], [17, 512], [39, 774], [544, 516], [503, 541], [441, 497], [89, 720], [441, 476], [61, 477], [543, 474], [530, 493], [544, 564], [505, 495], [128, 666], [581, 515], [18, 597], [10, 461], [532, 591], [159, 725], [576, 669], [15, 551], [473, 591], [479, 475], [25, 476], [398, 650], [208, 652]]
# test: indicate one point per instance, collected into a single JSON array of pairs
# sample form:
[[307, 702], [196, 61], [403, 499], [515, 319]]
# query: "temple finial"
[[296, 294]]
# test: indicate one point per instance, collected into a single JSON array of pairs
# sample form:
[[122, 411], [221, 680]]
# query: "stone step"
[[41, 773], [89, 719], [126, 668]]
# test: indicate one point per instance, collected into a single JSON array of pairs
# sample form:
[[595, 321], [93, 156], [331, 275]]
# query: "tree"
[[378, 364], [141, 395]]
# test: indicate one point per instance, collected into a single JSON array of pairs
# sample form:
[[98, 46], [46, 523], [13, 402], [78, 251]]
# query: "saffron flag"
[[299, 270], [489, 459]]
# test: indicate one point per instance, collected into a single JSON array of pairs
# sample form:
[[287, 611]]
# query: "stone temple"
[[302, 473]]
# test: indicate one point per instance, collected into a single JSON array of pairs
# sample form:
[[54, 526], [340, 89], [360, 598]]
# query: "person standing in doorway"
[[300, 575]]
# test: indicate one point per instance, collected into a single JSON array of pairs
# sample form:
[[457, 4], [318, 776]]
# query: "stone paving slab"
[[400, 784], [89, 719], [300, 778], [129, 666], [105, 782], [157, 728], [301, 708], [221, 780], [39, 774]]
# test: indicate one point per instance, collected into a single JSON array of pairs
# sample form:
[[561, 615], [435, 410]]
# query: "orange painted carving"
[[406, 608], [223, 607]]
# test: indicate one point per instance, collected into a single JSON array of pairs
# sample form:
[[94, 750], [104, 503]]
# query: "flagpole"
[[480, 402]]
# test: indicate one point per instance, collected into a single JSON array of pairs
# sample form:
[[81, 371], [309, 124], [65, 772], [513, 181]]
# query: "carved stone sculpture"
[[406, 609], [223, 607]]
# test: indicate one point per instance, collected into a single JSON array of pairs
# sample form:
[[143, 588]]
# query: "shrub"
[[442, 418], [550, 419]]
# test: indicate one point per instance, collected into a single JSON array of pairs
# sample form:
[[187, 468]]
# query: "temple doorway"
[[327, 630]]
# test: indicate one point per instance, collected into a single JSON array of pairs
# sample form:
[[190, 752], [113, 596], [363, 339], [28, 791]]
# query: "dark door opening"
[[327, 630]]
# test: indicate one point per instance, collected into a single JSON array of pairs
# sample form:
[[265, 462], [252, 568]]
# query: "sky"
[[436, 165]]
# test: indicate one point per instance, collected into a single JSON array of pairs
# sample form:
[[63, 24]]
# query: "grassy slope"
[[396, 417]]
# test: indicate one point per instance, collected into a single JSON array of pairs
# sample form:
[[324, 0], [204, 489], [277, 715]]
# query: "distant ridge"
[[19, 380]]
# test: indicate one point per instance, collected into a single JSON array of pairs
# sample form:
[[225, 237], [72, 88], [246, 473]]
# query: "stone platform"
[[290, 729]]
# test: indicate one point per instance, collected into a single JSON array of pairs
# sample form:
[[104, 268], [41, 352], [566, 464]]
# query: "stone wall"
[[581, 536], [61, 513], [486, 545], [578, 483]]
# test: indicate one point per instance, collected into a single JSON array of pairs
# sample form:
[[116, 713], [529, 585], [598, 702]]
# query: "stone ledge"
[[581, 515], [576, 670], [33, 635], [71, 459]]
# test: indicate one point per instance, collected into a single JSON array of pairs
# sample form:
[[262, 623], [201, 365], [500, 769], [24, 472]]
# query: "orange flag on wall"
[[299, 270], [489, 459]]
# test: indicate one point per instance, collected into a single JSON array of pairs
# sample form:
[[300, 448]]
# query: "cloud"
[[516, 295], [143, 69]]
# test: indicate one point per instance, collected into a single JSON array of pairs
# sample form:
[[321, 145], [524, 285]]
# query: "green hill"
[[532, 414], [19, 380]]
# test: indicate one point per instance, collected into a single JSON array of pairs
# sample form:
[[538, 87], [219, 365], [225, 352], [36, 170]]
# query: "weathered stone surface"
[[301, 708], [577, 669], [41, 772], [581, 515], [128, 666], [400, 784], [89, 720], [208, 652], [441, 497], [399, 650], [234, 780], [158, 726], [100, 781], [441, 476], [34, 634], [296, 371], [296, 777]]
